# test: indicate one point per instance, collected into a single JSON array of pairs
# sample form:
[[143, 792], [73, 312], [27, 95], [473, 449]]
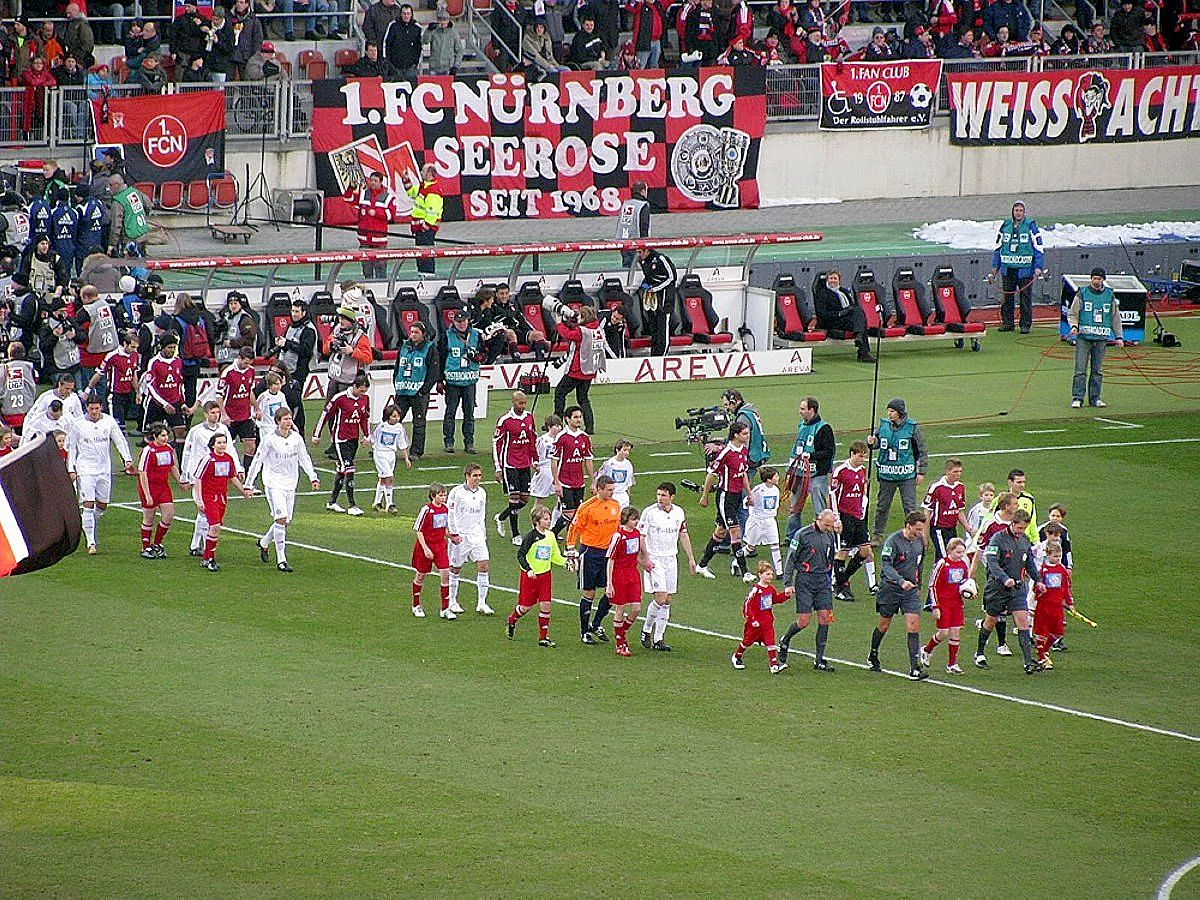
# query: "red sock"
[[1043, 645], [210, 548], [953, 651], [160, 532], [446, 594], [147, 530], [619, 629], [772, 656], [416, 594], [543, 625], [740, 650], [933, 642]]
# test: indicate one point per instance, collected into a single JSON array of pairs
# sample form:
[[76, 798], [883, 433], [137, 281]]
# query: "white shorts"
[[385, 463], [95, 487], [760, 530], [471, 549], [664, 577], [543, 483], [622, 498], [281, 502]]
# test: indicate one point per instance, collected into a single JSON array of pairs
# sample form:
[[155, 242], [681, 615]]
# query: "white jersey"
[[766, 501], [543, 479], [72, 408], [468, 512], [621, 473], [662, 529], [389, 438], [977, 515], [267, 403], [280, 459], [41, 423], [195, 446], [88, 445]]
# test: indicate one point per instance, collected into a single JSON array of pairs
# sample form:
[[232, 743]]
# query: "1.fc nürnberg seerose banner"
[[180, 137], [571, 145], [898, 93], [39, 513], [1077, 106]]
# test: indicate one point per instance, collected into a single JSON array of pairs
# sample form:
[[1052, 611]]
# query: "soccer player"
[[946, 503], [281, 454], [195, 449], [270, 400], [902, 554], [156, 467], [235, 389], [120, 368], [1009, 557], [542, 486], [997, 521], [1016, 487], [664, 526], [348, 413], [848, 490], [762, 530], [1056, 515], [949, 574], [212, 477], [388, 439], [163, 383], [620, 470], [809, 567], [758, 611], [592, 528], [571, 466], [728, 473], [978, 513], [467, 533], [515, 448], [624, 583], [89, 463], [1048, 622], [538, 552], [64, 392], [429, 550]]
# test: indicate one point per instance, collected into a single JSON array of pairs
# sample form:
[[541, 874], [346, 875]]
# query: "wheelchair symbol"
[[837, 103]]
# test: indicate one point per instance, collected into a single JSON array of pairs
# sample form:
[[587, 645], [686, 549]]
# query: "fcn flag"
[[180, 137], [39, 513]]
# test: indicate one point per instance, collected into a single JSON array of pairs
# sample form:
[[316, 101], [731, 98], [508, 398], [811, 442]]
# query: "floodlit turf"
[[171, 732]]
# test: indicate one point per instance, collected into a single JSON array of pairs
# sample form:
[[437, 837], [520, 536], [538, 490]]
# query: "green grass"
[[168, 732]]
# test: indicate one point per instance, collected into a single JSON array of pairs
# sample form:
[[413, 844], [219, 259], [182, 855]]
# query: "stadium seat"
[[872, 299], [445, 304], [574, 295], [913, 308], [313, 65], [699, 318], [795, 316], [529, 302], [407, 310], [323, 311], [170, 195], [455, 8], [613, 295], [146, 189], [279, 313], [225, 191], [950, 300], [345, 58], [119, 69], [197, 195], [379, 330]]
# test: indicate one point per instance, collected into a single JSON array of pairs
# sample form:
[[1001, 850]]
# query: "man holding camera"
[[348, 350], [658, 297], [462, 352], [585, 358]]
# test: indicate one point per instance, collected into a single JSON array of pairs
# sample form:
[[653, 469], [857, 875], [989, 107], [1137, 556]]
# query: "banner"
[[892, 94], [185, 144], [1074, 107], [39, 513], [571, 145]]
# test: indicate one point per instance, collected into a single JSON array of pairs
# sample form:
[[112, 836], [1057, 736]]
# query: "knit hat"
[[348, 313], [1099, 271], [443, 14], [897, 403]]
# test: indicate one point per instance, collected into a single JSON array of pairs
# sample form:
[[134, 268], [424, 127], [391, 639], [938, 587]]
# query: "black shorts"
[[572, 497], [517, 481], [155, 413], [891, 601], [344, 453], [1000, 600], [729, 508], [854, 532], [247, 430], [593, 569], [813, 592], [940, 538]]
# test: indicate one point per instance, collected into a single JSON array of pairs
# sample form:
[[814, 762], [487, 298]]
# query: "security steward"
[[426, 212]]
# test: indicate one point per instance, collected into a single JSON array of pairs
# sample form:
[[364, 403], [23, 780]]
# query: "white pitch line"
[[1168, 885], [1117, 423], [981, 434], [1046, 431], [674, 453], [995, 695], [1097, 446]]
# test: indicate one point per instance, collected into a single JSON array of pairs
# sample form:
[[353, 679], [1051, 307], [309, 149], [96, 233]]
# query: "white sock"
[[388, 494], [89, 525], [453, 587], [265, 541], [280, 542], [869, 568], [199, 530], [660, 622], [378, 494], [651, 617], [777, 560], [482, 580]]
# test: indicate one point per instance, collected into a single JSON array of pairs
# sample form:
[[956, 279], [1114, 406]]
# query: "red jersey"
[[431, 523], [348, 416], [623, 550], [946, 579], [848, 484], [120, 367], [164, 380], [730, 468], [4, 451], [1057, 579], [571, 450], [945, 502], [156, 461], [515, 441], [760, 602], [993, 527], [236, 387], [213, 476]]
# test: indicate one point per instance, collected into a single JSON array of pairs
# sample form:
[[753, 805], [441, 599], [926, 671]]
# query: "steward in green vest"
[[413, 381], [1095, 319], [462, 351], [130, 221], [901, 462], [1017, 260]]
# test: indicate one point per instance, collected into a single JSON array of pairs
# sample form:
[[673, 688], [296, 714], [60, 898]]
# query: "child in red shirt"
[[760, 619], [7, 438], [213, 476], [430, 549], [1048, 617], [624, 581], [945, 589], [156, 468]]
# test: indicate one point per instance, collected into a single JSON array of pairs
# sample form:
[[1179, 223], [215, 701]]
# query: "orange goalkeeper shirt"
[[595, 523]]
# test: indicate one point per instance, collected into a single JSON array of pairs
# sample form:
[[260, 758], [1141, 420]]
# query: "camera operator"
[[585, 358], [739, 410], [295, 350], [413, 380], [658, 297], [348, 350], [236, 328], [462, 352]]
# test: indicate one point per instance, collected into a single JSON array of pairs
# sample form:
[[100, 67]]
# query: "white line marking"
[[1101, 446], [674, 453], [1168, 885], [1117, 423], [1082, 714], [1046, 431], [965, 436]]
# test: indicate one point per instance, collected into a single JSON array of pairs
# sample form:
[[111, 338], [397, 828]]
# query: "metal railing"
[[1085, 61], [25, 117], [996, 64]]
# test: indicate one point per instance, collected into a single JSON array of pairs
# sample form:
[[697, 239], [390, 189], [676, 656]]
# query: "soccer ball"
[[920, 95], [968, 589], [749, 578]]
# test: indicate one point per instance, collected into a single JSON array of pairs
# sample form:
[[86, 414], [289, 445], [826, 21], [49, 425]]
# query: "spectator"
[[314, 30], [70, 76], [35, 80], [1096, 41], [920, 46], [195, 73], [77, 38], [587, 50], [537, 52], [151, 76], [649, 25], [187, 34], [1125, 29], [608, 23], [1153, 41], [98, 82], [879, 48], [961, 45], [247, 37], [369, 65], [402, 45], [507, 28], [262, 65], [770, 50], [110, 32], [445, 46], [1012, 14], [24, 46], [738, 55], [784, 20], [377, 19], [1069, 42], [1034, 45], [51, 49], [812, 16], [555, 15], [135, 45], [839, 310], [218, 47], [740, 24], [702, 36], [943, 18], [998, 46]]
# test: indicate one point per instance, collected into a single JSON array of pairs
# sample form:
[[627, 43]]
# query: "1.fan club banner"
[[181, 138], [572, 145]]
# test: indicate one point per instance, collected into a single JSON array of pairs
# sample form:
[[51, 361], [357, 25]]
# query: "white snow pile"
[[970, 235], [796, 201]]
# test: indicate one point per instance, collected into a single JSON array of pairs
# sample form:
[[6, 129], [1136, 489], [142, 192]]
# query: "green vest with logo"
[[1016, 245], [1096, 311], [461, 365], [410, 369], [896, 461], [806, 434], [135, 222]]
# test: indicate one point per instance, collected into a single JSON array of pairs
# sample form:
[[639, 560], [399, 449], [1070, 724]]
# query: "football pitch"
[[167, 731]]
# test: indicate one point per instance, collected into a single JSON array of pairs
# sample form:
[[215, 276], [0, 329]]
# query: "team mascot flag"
[[175, 138], [572, 144], [39, 513]]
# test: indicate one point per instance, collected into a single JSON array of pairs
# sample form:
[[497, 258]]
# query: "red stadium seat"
[[529, 302], [197, 194], [279, 314], [445, 304], [613, 295], [699, 317], [795, 317], [225, 191], [913, 308], [313, 64], [950, 300], [146, 189], [872, 299], [344, 58], [408, 310], [323, 312], [170, 195]]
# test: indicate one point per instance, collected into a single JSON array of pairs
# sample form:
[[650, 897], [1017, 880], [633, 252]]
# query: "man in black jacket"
[[402, 45], [658, 296], [838, 310], [587, 47], [369, 65]]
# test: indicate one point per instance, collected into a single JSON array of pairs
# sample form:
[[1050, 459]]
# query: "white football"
[[968, 590], [749, 578]]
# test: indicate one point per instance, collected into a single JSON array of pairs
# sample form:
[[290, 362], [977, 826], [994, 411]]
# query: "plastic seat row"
[[175, 196]]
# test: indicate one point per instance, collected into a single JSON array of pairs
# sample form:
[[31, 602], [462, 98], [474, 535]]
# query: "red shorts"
[[15, 421], [214, 508], [951, 613], [1049, 621], [758, 631], [626, 586], [422, 564], [158, 496], [533, 589]]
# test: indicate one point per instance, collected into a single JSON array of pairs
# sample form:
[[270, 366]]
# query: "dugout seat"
[[279, 314], [613, 295], [323, 311], [950, 300], [408, 310], [699, 318], [379, 329], [573, 294], [170, 195], [833, 334], [529, 301], [446, 302], [872, 298], [913, 308], [795, 315]]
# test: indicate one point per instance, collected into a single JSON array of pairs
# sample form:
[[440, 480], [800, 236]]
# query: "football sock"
[[876, 640], [619, 629], [660, 623], [710, 550], [933, 642], [517, 612], [561, 525], [839, 569], [338, 480], [350, 490], [984, 634], [953, 649], [89, 525], [199, 530], [870, 570], [852, 566], [773, 656], [585, 612], [602, 609], [280, 542], [445, 591], [914, 650], [739, 555], [247, 458], [776, 559], [543, 625], [378, 494], [792, 631], [160, 532], [147, 530], [1023, 639], [822, 640], [416, 592], [483, 583], [1001, 630], [388, 495], [651, 615], [210, 548], [453, 588]]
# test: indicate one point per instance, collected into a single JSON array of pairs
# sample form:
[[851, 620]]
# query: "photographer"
[[585, 358], [462, 352], [658, 297], [348, 350], [44, 270], [413, 379], [60, 343], [236, 328]]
